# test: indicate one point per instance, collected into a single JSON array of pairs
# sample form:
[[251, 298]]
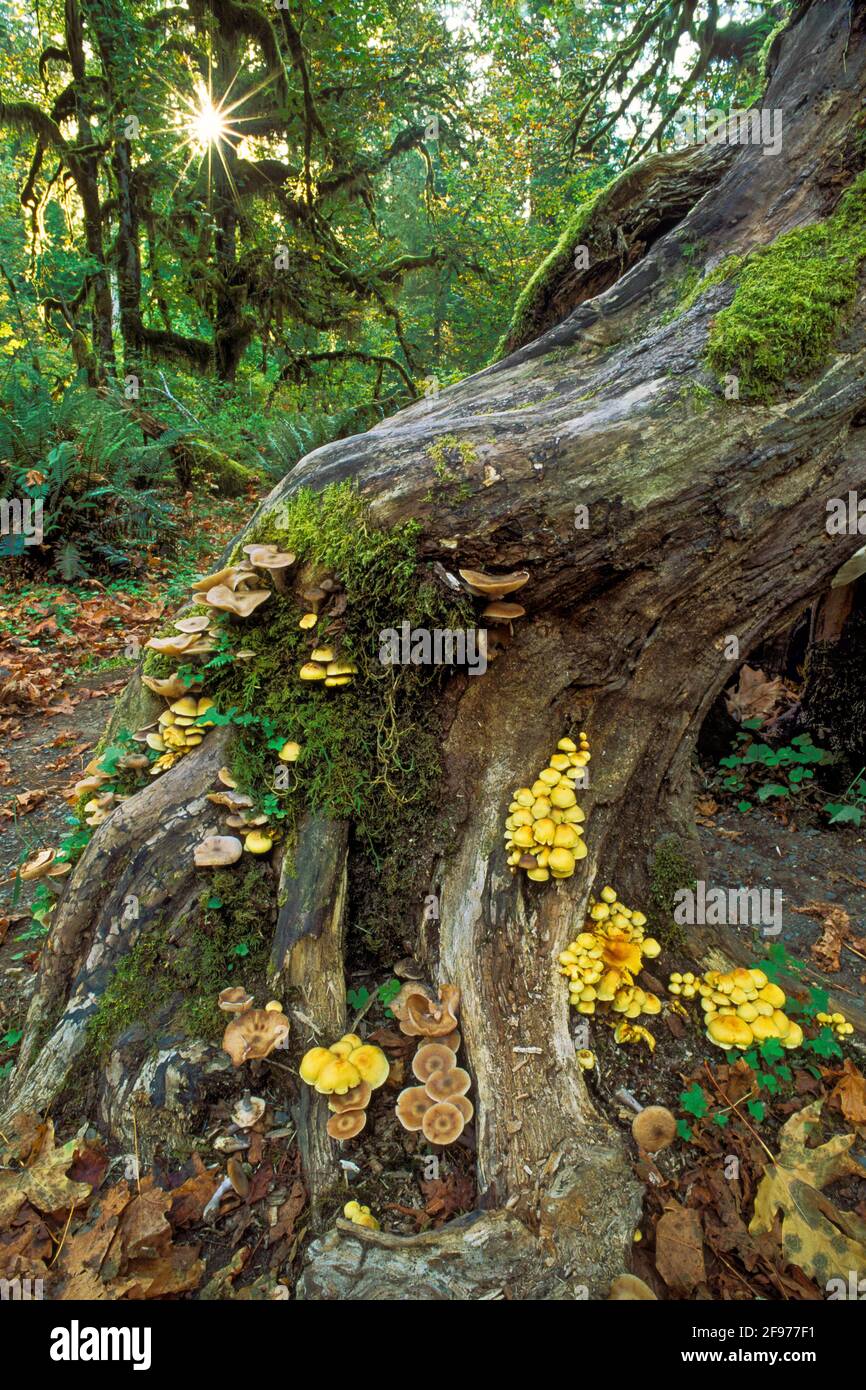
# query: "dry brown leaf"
[[44, 1183], [849, 1094], [835, 931], [680, 1248]]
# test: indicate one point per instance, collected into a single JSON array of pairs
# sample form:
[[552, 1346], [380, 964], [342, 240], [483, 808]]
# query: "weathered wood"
[[307, 961]]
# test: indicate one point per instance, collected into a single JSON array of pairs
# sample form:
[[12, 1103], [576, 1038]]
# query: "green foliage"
[[790, 299], [756, 770], [159, 976], [102, 488], [358, 998]]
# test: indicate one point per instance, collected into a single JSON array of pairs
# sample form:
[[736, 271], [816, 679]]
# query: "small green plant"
[[357, 999], [758, 772], [851, 806]]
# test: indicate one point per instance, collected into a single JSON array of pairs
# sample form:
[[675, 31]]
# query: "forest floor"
[[62, 659]]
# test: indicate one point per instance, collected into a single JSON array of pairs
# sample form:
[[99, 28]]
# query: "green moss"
[[789, 300], [552, 267], [671, 871], [370, 750], [215, 944], [694, 288]]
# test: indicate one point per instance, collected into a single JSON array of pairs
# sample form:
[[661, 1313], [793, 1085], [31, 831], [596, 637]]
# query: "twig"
[[137, 1159], [56, 1254]]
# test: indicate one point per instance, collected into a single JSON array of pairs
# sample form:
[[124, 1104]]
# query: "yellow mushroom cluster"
[[741, 1007], [180, 728], [360, 1216], [838, 1022], [603, 962], [544, 826], [324, 666], [348, 1072]]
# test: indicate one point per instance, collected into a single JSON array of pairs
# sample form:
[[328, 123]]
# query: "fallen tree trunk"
[[703, 518]]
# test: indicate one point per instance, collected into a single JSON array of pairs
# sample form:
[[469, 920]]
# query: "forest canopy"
[[274, 224]]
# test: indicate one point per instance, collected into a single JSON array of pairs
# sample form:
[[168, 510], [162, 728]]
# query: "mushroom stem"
[[628, 1099], [213, 1206]]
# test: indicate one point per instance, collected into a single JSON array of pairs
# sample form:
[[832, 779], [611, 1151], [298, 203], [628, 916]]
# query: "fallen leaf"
[[816, 1237], [849, 1094], [680, 1248]]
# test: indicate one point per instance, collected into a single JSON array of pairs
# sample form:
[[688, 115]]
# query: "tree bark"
[[700, 525]]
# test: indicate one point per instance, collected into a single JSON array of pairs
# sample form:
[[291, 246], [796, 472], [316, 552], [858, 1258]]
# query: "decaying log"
[[307, 961]]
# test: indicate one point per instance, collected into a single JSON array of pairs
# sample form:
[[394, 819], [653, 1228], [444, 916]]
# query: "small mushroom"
[[242, 602], [217, 851], [199, 622], [237, 1177], [346, 1124], [421, 1016], [337, 1076], [235, 1000], [464, 1105], [503, 612], [254, 1034], [38, 866], [493, 585], [257, 842], [371, 1064], [248, 1111], [290, 752], [442, 1123], [358, 1098], [443, 1085], [654, 1128], [629, 1287], [176, 644], [360, 1216], [169, 687], [412, 1105], [431, 1058]]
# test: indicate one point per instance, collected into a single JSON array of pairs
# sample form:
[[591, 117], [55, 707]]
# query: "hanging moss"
[[790, 299]]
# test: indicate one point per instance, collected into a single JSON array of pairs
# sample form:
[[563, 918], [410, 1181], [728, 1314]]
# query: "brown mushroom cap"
[[628, 1286], [215, 851], [346, 1124], [422, 1016], [208, 581], [654, 1128], [176, 644], [254, 1034], [412, 1105], [170, 687], [505, 612], [451, 1040], [237, 1177], [493, 585], [464, 1105], [442, 1123], [199, 622], [242, 603], [442, 1085], [431, 1058], [358, 1098], [264, 558], [38, 866], [235, 1000]]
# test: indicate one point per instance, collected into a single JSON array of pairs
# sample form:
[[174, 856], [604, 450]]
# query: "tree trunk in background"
[[701, 525]]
